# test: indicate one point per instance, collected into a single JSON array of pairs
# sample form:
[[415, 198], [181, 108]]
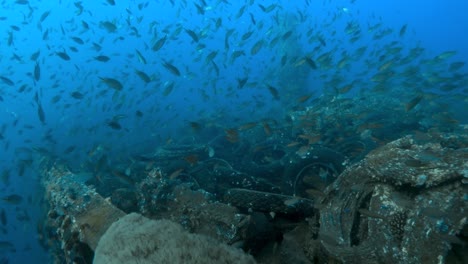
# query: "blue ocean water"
[[168, 67]]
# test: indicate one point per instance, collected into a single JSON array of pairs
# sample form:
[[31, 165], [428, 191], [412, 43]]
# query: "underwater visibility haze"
[[210, 111]]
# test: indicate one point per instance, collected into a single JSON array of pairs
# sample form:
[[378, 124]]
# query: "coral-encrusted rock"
[[404, 203], [404, 162]]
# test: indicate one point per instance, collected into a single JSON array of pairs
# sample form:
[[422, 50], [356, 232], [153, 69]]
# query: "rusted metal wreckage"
[[405, 202]]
